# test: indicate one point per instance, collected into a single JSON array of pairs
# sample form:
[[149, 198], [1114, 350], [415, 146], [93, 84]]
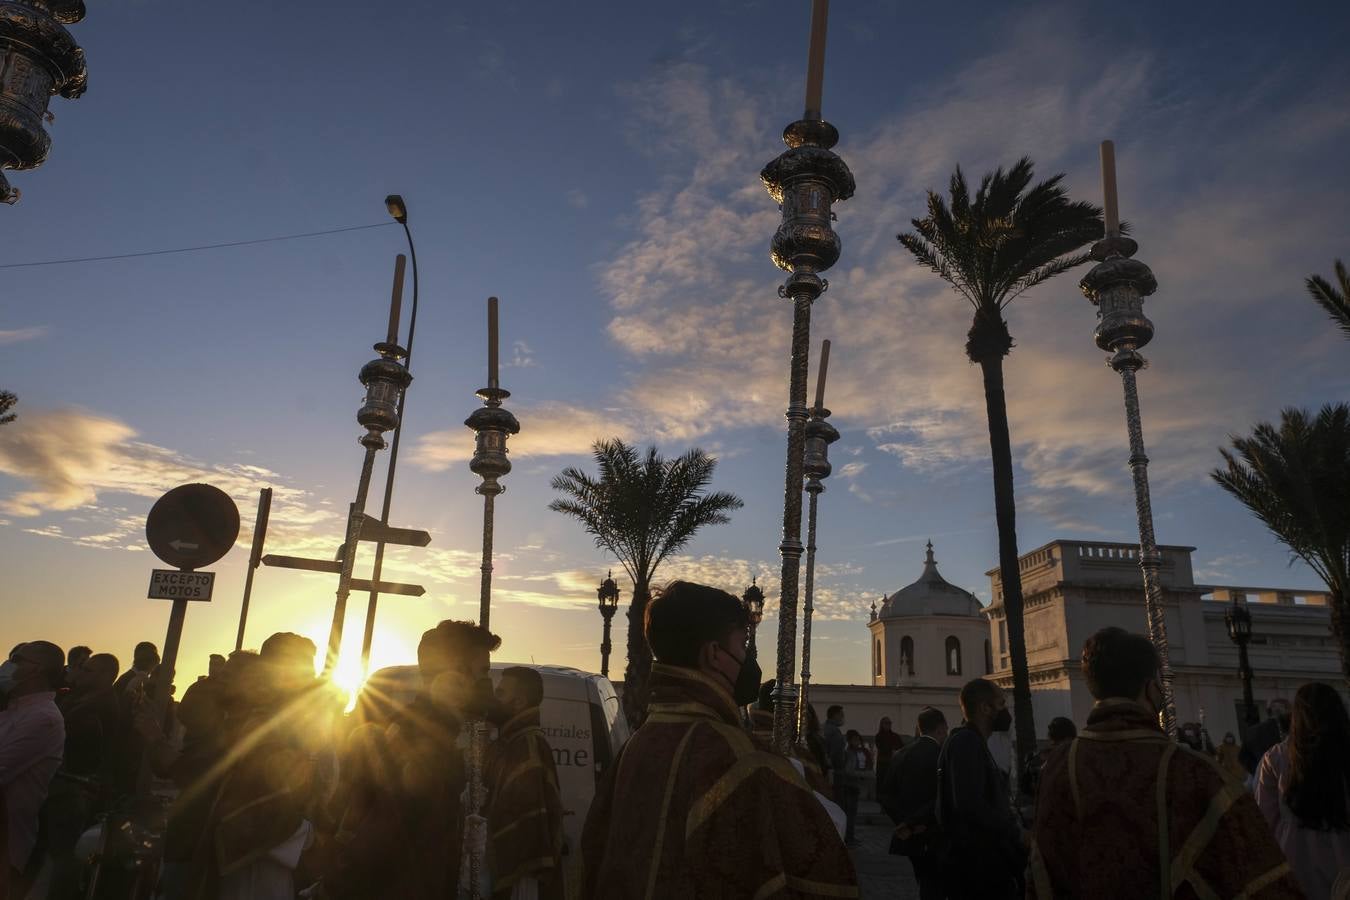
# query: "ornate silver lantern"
[[806, 181], [820, 434], [753, 602], [1117, 286], [38, 58]]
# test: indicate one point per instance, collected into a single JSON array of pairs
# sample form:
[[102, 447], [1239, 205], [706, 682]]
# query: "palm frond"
[[1335, 302]]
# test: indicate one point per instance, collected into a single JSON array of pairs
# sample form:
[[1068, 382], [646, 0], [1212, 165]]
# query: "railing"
[[1127, 553]]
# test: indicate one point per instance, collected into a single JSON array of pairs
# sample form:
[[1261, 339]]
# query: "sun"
[[386, 649]]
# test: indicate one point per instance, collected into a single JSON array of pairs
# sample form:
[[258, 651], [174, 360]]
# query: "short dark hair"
[[444, 646], [288, 648], [684, 616], [1061, 729], [975, 692], [78, 654], [1118, 663], [831, 710], [107, 664], [931, 719], [145, 652], [50, 658], [852, 733], [531, 683]]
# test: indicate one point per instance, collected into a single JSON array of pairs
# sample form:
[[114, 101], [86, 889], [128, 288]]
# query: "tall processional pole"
[[820, 434], [806, 180]]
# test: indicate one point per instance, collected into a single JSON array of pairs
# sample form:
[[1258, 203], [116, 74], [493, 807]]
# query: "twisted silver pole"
[[805, 180], [808, 606]]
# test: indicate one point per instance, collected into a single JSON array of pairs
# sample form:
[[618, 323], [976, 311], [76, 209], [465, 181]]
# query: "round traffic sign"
[[192, 526]]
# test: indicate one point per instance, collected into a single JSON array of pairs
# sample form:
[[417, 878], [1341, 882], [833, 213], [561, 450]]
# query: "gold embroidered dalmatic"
[[691, 809], [525, 834]]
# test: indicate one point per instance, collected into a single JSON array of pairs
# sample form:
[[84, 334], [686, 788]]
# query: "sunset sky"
[[596, 166]]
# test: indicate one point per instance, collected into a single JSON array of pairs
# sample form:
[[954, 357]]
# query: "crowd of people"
[[270, 790], [273, 792]]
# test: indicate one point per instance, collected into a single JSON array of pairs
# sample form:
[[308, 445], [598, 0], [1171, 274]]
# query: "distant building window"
[[988, 658], [953, 656], [907, 655]]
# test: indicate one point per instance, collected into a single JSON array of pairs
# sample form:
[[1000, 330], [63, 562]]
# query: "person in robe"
[[401, 831], [691, 809], [1125, 812], [524, 813]]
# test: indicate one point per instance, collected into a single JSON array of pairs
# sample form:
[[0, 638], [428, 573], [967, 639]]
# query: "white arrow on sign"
[[183, 545]]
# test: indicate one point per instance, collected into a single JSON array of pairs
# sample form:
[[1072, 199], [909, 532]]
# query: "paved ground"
[[880, 875]]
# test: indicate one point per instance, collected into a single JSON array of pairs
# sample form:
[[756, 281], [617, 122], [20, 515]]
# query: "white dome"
[[931, 595]]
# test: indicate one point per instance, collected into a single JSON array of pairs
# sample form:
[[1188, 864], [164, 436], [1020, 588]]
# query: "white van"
[[582, 721]]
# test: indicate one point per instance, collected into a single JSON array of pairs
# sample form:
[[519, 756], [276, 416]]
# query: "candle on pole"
[[1117, 286], [805, 180], [1110, 202], [815, 58], [396, 303], [492, 343], [820, 434]]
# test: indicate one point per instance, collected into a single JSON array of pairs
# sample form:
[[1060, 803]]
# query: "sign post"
[[189, 527]]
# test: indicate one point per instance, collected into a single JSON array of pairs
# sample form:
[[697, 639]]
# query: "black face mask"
[[1003, 719], [746, 689], [483, 703]]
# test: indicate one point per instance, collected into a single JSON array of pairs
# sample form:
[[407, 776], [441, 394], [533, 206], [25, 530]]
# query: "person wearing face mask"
[[524, 813], [974, 810], [691, 809], [1125, 812], [32, 737]]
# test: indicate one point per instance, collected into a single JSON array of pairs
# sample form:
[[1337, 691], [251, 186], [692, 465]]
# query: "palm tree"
[[7, 401], [990, 249], [1335, 302], [1296, 480], [642, 509]]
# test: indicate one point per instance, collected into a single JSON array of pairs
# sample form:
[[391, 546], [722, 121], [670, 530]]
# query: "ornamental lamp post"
[[385, 379], [38, 58], [609, 605], [820, 434], [753, 602], [1117, 286], [806, 180], [1239, 622]]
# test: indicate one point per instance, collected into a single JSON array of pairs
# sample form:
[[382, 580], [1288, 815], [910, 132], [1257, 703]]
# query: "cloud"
[[522, 357], [695, 281], [76, 460], [18, 335], [577, 198], [550, 429]]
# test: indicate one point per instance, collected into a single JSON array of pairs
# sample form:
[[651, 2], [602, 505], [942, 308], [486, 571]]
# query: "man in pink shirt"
[[32, 738]]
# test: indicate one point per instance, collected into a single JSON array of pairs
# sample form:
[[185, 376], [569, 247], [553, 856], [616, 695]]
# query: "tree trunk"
[[1340, 617], [639, 667], [1005, 512]]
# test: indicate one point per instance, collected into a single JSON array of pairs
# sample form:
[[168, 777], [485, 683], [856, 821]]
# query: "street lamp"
[[609, 605], [1239, 622], [399, 211], [38, 58], [753, 601]]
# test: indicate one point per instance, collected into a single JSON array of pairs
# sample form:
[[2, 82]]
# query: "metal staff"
[[491, 424], [1117, 286], [385, 380], [399, 211], [820, 434], [805, 181], [254, 559]]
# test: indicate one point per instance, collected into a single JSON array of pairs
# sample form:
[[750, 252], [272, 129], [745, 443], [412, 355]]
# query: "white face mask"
[[7, 669]]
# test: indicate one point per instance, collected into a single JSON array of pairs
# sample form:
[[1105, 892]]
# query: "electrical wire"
[[268, 240]]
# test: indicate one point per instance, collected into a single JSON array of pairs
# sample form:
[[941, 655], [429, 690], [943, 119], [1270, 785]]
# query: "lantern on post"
[[1239, 622], [609, 605], [753, 601]]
